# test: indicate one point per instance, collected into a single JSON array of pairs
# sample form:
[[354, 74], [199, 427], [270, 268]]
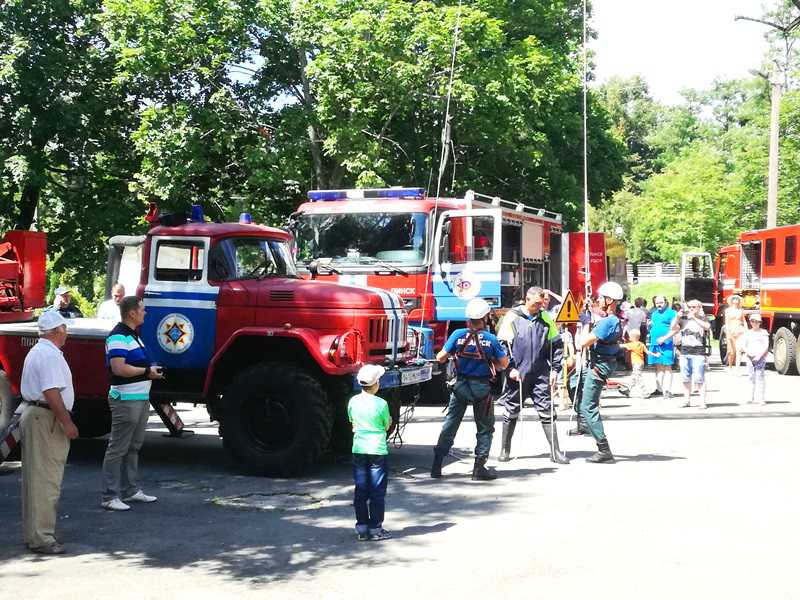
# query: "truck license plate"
[[416, 375]]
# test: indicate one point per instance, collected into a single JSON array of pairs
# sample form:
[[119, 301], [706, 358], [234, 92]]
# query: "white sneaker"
[[115, 504], [140, 496]]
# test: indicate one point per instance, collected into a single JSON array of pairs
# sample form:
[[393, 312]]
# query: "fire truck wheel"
[[6, 401], [277, 419], [784, 349], [723, 347], [339, 394]]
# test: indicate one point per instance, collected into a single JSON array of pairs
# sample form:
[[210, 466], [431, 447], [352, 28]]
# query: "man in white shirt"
[[110, 308], [47, 429]]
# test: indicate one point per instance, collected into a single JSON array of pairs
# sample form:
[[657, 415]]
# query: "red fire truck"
[[762, 267], [438, 253], [271, 355]]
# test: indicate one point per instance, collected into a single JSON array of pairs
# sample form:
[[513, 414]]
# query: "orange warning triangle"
[[569, 310]]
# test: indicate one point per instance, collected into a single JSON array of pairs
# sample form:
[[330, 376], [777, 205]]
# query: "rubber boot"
[[580, 428], [508, 433], [603, 454], [556, 455], [480, 472], [436, 467]]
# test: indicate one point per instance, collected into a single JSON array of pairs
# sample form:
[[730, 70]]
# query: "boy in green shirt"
[[369, 415]]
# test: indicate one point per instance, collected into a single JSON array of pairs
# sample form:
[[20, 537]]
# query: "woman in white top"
[[735, 326]]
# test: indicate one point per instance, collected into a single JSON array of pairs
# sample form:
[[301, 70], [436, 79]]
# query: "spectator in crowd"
[[132, 373], [110, 308], [637, 319], [755, 346], [735, 326], [62, 302], [370, 417], [47, 429], [692, 325], [660, 323], [637, 351]]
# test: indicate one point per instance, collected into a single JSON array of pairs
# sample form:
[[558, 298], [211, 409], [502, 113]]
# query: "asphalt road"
[[699, 504]]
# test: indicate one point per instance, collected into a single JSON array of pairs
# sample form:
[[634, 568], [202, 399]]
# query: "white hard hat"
[[611, 289], [478, 308], [370, 374], [50, 320]]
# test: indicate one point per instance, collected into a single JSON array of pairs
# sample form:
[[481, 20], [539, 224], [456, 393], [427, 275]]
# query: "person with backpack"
[[536, 357], [693, 326], [478, 357]]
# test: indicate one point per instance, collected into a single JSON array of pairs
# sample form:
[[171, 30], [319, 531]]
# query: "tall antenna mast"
[[588, 273]]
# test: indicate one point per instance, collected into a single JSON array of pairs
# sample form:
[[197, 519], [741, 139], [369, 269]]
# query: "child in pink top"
[[755, 345]]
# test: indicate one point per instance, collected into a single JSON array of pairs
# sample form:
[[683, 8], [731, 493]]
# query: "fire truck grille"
[[378, 331]]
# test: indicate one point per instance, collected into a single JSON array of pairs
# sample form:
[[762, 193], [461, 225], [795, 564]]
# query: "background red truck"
[[762, 267], [271, 355]]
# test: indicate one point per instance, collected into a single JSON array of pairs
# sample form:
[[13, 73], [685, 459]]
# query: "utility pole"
[[774, 138], [776, 83]]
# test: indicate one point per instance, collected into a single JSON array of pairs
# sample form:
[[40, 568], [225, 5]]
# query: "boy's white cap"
[[755, 317], [370, 374], [50, 320]]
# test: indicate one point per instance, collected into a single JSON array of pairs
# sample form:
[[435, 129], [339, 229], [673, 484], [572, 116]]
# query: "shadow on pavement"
[[188, 527]]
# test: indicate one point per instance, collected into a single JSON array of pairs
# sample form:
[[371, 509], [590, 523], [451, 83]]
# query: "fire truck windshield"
[[362, 238], [250, 258]]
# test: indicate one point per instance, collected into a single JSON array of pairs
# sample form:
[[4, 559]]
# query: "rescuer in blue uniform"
[[603, 342], [536, 356], [478, 357]]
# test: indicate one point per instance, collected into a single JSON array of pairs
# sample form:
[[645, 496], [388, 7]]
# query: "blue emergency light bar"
[[365, 194]]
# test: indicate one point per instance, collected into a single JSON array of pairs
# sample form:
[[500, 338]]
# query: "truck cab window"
[[769, 251], [179, 260], [250, 258], [790, 249]]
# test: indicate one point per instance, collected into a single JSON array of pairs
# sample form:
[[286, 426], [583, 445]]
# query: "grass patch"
[[655, 288]]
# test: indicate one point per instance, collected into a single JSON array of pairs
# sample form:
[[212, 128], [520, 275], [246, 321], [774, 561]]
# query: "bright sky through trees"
[[677, 44]]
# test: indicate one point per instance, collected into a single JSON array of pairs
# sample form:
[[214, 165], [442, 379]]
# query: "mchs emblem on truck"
[[175, 333]]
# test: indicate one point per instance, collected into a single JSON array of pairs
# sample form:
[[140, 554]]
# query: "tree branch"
[[770, 24], [381, 137]]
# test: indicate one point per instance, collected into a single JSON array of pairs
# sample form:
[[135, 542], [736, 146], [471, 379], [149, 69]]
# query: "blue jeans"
[[478, 393], [693, 368], [370, 473]]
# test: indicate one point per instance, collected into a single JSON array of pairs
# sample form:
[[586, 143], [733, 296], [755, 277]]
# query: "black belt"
[[37, 403]]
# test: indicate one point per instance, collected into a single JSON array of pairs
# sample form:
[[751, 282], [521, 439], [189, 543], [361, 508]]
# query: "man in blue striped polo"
[[131, 372]]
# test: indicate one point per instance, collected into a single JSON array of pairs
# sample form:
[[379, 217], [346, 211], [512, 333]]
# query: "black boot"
[[480, 472], [580, 428], [556, 455], [508, 433], [436, 468], [603, 454]]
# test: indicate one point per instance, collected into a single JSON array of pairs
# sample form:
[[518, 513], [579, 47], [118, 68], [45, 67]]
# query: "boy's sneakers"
[[379, 534], [363, 537], [140, 496], [114, 504]]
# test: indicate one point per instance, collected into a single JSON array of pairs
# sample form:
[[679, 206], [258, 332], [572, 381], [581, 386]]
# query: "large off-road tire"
[[7, 403], [277, 419], [91, 417], [435, 392], [784, 349], [339, 395], [723, 347]]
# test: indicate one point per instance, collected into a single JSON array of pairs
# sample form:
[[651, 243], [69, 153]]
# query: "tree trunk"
[[29, 201], [314, 138]]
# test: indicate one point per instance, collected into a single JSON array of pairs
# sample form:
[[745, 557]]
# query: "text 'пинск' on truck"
[[271, 355]]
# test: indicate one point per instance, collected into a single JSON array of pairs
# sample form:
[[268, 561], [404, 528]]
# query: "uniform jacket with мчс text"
[[536, 346]]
